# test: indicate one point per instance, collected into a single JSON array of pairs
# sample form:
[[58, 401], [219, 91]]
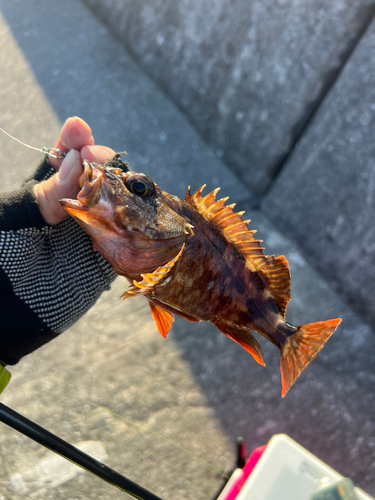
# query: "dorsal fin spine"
[[249, 245], [233, 225], [211, 195], [227, 218], [223, 200], [246, 232], [219, 213], [273, 270], [254, 242], [199, 192]]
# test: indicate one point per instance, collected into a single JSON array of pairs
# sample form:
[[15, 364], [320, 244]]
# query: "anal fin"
[[245, 338], [163, 319]]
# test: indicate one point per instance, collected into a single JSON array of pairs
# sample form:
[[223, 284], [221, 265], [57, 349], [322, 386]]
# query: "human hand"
[[76, 139]]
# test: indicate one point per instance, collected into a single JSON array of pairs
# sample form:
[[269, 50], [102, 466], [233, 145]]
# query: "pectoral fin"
[[150, 280], [163, 319], [245, 338]]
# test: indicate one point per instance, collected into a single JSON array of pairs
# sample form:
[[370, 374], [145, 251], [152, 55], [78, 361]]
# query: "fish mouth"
[[73, 205], [76, 210], [90, 183]]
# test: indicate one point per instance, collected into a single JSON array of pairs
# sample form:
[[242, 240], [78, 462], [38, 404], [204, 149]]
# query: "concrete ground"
[[165, 413]]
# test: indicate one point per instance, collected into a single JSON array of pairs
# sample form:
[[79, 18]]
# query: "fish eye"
[[140, 185], [139, 188]]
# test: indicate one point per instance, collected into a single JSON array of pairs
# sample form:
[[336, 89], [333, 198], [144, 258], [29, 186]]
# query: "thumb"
[[64, 184], [69, 174]]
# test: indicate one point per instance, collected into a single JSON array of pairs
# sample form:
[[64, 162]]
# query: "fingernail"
[[102, 156], [71, 162]]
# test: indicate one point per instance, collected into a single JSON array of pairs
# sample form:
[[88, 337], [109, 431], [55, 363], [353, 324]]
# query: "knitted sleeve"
[[49, 275]]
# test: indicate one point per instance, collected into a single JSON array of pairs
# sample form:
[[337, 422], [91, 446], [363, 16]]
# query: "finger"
[[69, 173], [62, 185], [74, 134], [97, 154]]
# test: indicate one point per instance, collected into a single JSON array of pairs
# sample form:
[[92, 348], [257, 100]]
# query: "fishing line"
[[46, 151], [130, 422], [60, 155]]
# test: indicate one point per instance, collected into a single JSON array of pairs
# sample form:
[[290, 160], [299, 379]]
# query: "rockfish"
[[195, 258]]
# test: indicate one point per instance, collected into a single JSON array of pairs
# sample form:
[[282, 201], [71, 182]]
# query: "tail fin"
[[301, 348]]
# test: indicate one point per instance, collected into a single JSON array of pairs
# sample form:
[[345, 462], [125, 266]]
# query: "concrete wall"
[[248, 74], [274, 86], [325, 196]]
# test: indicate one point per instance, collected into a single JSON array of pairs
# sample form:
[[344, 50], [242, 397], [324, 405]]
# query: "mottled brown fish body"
[[196, 258], [211, 282]]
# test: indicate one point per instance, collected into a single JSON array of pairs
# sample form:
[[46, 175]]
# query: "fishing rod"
[[65, 449]]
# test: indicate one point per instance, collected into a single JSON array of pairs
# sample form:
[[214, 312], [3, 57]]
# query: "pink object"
[[246, 471], [253, 460]]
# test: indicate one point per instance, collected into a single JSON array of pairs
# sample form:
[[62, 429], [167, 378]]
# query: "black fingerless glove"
[[49, 275]]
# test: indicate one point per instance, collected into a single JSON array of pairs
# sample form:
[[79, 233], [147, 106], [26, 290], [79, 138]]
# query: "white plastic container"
[[286, 471]]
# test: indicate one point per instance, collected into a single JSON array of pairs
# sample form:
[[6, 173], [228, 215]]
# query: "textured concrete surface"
[[197, 389], [76, 68], [324, 198], [248, 74], [166, 412]]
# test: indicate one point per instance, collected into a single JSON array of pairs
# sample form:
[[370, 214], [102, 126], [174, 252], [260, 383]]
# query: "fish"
[[195, 258]]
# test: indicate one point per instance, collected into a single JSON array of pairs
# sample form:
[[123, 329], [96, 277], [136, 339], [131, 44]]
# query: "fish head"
[[124, 214]]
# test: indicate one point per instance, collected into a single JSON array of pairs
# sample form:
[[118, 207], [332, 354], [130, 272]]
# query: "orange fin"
[[301, 348], [277, 274], [151, 279], [274, 270], [163, 319], [245, 339]]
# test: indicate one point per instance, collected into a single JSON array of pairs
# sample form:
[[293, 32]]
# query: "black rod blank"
[[66, 450]]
